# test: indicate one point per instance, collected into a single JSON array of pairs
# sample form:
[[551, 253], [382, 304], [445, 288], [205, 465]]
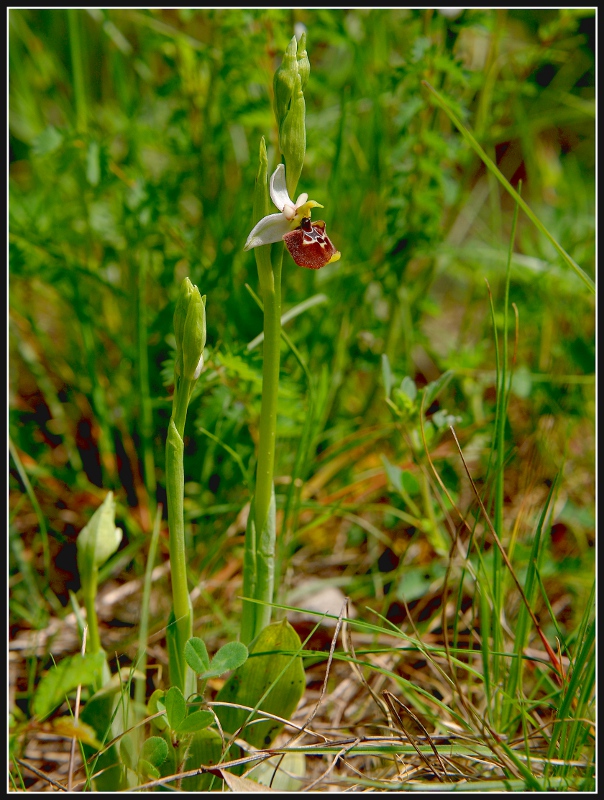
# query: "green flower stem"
[[89, 595], [259, 558], [271, 298], [175, 482], [190, 335], [181, 404]]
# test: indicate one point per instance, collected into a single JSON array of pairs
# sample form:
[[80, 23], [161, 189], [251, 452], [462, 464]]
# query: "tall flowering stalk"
[[310, 247], [190, 333]]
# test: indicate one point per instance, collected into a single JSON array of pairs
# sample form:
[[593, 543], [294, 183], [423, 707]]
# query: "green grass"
[[133, 154]]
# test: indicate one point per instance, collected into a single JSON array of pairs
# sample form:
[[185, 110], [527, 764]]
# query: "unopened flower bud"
[[180, 312], [261, 205], [194, 336], [292, 137], [284, 82], [99, 539], [303, 62]]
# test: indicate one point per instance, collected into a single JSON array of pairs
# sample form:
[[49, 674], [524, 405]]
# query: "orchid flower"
[[274, 227], [307, 242]]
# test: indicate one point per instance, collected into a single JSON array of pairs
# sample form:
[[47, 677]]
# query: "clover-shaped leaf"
[[155, 750], [195, 722], [229, 657], [176, 708], [196, 655]]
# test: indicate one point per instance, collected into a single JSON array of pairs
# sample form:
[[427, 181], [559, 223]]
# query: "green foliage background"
[[133, 151]]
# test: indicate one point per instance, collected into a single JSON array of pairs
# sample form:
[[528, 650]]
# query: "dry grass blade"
[[558, 672], [42, 775], [332, 766], [406, 729], [332, 648], [347, 639]]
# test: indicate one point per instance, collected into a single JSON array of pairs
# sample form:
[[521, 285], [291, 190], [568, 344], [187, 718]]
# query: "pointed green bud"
[[180, 312], [99, 539], [261, 197], [194, 336], [292, 138], [261, 209], [303, 62], [284, 82], [189, 331]]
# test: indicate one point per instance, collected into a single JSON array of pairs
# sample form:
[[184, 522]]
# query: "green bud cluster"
[[190, 331], [290, 109]]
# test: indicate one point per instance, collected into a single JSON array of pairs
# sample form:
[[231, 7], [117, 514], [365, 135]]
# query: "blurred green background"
[[134, 139]]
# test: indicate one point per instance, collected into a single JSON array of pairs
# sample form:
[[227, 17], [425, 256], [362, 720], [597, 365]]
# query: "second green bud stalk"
[[190, 334]]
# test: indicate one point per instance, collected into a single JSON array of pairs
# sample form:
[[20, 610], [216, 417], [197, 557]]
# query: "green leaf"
[[70, 728], [147, 770], [63, 678], [47, 142], [433, 389], [522, 382], [283, 773], [176, 708], [127, 751], [93, 164], [272, 679], [229, 657], [242, 785], [157, 702], [394, 473], [386, 375], [205, 747], [409, 482], [195, 722], [409, 388], [99, 539], [196, 655], [155, 751]]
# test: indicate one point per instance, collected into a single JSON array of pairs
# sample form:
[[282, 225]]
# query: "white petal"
[[289, 212], [301, 200], [278, 188], [269, 229]]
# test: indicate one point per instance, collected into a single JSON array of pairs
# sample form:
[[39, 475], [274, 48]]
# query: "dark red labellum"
[[309, 245]]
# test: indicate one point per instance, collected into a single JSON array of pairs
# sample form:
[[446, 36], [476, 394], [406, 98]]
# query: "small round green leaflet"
[[196, 721], [229, 657], [196, 655], [155, 751]]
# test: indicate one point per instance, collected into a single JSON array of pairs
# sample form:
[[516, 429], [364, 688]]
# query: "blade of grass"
[[140, 685], [508, 187], [36, 506], [514, 678]]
